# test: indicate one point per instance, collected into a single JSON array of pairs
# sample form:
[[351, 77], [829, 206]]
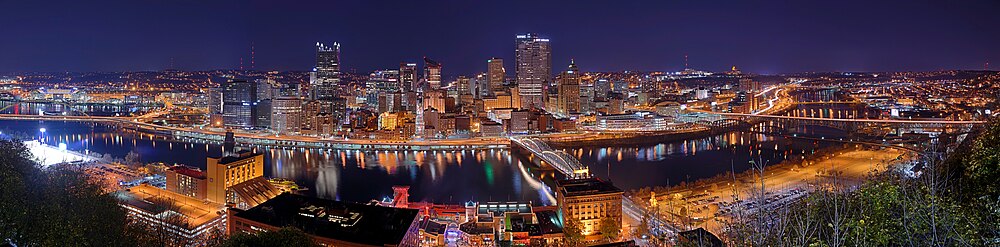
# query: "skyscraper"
[[407, 76], [286, 112], [238, 100], [432, 73], [327, 71], [496, 74], [534, 67], [569, 91]]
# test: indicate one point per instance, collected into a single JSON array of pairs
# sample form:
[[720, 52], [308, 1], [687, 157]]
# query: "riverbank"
[[708, 202]]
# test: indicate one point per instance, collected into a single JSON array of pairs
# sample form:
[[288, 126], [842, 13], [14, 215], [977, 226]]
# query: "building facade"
[[534, 68], [591, 202]]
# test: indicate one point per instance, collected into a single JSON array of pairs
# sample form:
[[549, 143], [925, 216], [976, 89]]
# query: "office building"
[[534, 69], [238, 100], [408, 76], [331, 223], [432, 73], [214, 100], [590, 201], [262, 114], [495, 74], [569, 91], [286, 113], [327, 72]]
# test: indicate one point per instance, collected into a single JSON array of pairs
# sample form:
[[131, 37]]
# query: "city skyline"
[[766, 38], [496, 123]]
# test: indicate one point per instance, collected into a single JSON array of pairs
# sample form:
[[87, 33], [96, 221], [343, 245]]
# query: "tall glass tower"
[[534, 68], [327, 71]]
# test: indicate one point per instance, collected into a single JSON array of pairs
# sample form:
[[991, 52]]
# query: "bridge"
[[561, 161], [199, 135], [720, 120], [558, 159]]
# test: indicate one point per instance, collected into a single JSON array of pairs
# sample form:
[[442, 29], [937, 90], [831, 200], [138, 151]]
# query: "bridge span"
[[558, 159]]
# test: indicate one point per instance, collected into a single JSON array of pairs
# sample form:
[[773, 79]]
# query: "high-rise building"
[[407, 76], [463, 85], [534, 68], [262, 114], [589, 201], [238, 100], [432, 73], [601, 89], [214, 100], [482, 88], [286, 113], [587, 97], [569, 91], [264, 89], [327, 71], [228, 171], [495, 74]]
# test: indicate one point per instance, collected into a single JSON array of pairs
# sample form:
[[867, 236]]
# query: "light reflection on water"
[[442, 176]]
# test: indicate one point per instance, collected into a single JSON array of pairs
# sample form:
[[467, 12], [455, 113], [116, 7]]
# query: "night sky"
[[757, 36]]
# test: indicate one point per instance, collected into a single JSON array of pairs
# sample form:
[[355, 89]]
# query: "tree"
[[132, 158], [56, 206], [610, 229], [572, 232], [283, 237]]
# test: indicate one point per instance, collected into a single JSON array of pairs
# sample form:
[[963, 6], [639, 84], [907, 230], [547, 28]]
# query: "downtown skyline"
[[764, 38]]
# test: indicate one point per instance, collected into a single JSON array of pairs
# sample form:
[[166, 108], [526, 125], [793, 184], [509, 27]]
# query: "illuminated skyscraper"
[[495, 74], [407, 76], [238, 100], [534, 68], [327, 71], [569, 91], [286, 112], [432, 73]]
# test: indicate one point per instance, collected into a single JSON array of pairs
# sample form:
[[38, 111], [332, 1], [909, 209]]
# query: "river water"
[[442, 176]]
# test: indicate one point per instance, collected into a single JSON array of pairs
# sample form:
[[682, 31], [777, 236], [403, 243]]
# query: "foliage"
[[610, 229], [953, 201], [572, 233], [56, 206]]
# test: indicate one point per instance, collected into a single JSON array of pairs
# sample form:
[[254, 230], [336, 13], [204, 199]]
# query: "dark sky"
[[757, 36]]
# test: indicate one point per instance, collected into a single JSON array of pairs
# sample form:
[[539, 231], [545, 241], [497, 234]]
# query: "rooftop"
[[241, 155], [586, 186], [344, 221], [188, 171], [155, 201]]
